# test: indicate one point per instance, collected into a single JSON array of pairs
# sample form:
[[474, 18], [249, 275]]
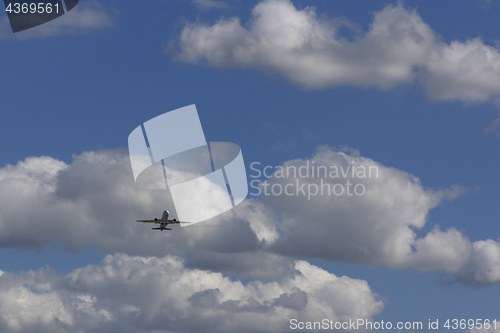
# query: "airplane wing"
[[149, 221], [176, 222]]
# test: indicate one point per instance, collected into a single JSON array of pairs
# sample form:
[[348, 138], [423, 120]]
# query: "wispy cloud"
[[210, 4]]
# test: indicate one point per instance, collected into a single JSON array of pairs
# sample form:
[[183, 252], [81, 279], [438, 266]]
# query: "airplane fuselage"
[[164, 217], [164, 220]]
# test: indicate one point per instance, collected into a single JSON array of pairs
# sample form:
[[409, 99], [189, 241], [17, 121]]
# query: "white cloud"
[[84, 17], [93, 202], [483, 266], [378, 228], [135, 294], [467, 71], [399, 48], [447, 251]]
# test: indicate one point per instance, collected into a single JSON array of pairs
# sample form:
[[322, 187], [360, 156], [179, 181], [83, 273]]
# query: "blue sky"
[[83, 87]]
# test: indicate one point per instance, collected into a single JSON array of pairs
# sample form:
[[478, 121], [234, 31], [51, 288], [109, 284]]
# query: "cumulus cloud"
[[399, 48], [93, 202], [468, 71], [84, 17], [376, 227], [323, 217], [483, 265], [136, 294]]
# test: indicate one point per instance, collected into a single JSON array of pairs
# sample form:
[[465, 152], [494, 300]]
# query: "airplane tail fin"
[[160, 229]]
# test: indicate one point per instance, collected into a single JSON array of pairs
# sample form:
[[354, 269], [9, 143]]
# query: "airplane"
[[163, 222]]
